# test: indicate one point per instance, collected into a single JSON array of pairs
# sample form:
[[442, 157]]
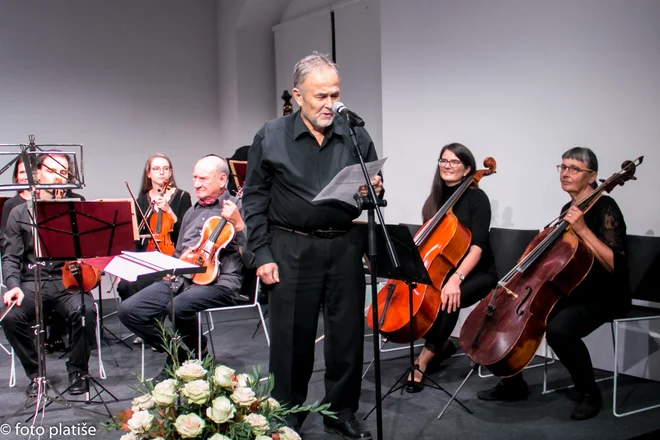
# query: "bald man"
[[141, 312]]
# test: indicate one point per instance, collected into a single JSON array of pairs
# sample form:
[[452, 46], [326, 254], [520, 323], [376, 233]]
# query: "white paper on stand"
[[345, 184], [130, 265]]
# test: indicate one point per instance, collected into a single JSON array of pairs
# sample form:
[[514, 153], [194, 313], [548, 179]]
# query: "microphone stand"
[[372, 204]]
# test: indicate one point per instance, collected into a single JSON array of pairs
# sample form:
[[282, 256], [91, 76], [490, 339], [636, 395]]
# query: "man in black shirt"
[[140, 312], [308, 253], [18, 262]]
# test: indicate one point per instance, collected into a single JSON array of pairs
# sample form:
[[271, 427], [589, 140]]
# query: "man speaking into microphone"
[[307, 254]]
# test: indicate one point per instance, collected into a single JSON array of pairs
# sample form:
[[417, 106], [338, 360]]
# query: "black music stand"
[[411, 271], [71, 230]]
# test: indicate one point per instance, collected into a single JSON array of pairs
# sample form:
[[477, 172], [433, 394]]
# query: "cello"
[[504, 330], [442, 243]]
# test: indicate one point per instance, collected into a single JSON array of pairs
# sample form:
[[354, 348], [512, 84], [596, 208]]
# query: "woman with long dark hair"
[[475, 275]]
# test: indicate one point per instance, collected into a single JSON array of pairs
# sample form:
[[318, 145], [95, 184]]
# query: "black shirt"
[[6, 210], [606, 221], [287, 168], [473, 211]]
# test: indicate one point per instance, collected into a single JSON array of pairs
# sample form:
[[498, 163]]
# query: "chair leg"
[[12, 372], [262, 318], [99, 345], [211, 325]]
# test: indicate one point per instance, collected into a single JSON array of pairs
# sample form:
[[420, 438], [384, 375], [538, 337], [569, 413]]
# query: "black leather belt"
[[318, 233]]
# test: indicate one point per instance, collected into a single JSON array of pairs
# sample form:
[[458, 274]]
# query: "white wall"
[[523, 82], [126, 79]]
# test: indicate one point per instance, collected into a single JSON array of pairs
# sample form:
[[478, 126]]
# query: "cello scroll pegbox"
[[491, 164]]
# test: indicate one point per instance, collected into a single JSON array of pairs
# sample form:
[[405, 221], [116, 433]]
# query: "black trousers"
[[18, 322], [140, 312], [572, 319], [317, 272], [475, 287], [126, 289]]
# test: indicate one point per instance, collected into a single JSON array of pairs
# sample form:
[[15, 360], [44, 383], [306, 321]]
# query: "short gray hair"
[[312, 62]]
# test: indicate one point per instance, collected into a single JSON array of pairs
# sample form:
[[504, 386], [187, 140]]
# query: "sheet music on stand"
[[133, 266], [345, 184]]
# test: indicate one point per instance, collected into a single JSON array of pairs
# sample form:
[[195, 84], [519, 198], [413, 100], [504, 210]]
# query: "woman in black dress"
[[475, 275], [602, 296]]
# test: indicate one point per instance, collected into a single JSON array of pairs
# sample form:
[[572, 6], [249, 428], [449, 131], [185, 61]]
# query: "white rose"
[[270, 403], [263, 437], [159, 438], [164, 393], [243, 396], [222, 376], [141, 421], [129, 436], [190, 370], [221, 410], [143, 402], [219, 437], [189, 425], [258, 422], [242, 380], [287, 433], [197, 391]]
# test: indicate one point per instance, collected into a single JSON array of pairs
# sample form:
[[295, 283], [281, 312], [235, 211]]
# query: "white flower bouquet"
[[208, 402]]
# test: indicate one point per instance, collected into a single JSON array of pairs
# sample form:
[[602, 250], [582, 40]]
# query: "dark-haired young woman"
[[475, 275]]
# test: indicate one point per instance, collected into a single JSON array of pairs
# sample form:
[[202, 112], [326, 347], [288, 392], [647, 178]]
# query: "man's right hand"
[[268, 273], [15, 294]]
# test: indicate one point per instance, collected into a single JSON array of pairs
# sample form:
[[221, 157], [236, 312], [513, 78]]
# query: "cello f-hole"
[[519, 311]]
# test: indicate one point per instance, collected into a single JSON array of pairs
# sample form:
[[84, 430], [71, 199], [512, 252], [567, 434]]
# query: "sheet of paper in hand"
[[345, 184]]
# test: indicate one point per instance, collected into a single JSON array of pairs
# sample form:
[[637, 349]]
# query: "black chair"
[[508, 245], [644, 266]]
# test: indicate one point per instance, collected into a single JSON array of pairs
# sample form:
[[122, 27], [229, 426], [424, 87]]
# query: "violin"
[[217, 233], [504, 330], [90, 276], [442, 242], [162, 225]]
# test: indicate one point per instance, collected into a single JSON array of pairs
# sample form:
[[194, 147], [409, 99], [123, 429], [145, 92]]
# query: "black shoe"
[[77, 385], [588, 407], [350, 429], [33, 388], [574, 394], [169, 364], [505, 392]]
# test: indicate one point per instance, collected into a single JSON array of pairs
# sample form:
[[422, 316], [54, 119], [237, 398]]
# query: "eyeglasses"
[[159, 169], [573, 170], [452, 163]]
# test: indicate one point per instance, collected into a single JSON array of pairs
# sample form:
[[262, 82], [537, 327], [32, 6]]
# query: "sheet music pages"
[[130, 265], [345, 184]]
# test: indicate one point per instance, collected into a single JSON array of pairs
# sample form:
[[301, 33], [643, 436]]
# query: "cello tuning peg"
[[601, 180]]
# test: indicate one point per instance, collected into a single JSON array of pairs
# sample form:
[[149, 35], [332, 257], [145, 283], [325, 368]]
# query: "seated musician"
[[141, 311], [475, 275], [173, 201], [602, 296], [18, 262]]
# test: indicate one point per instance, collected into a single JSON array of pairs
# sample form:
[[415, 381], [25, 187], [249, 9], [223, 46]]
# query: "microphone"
[[339, 108]]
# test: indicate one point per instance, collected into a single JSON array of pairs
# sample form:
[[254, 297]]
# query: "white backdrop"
[[523, 82]]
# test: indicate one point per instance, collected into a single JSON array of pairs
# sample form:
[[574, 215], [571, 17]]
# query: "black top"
[[473, 211], [232, 258], [180, 202], [606, 221], [13, 203], [286, 169], [18, 254]]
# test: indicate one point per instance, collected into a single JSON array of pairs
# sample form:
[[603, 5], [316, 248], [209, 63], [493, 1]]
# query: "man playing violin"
[[18, 262], [602, 296], [141, 311]]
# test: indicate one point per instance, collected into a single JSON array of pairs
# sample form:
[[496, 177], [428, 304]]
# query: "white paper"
[[346, 183], [130, 265]]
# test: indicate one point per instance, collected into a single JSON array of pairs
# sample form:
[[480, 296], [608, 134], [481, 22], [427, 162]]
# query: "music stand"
[[71, 230], [412, 272], [238, 169]]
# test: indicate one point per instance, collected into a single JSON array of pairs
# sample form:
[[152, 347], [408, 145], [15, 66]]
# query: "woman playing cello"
[[154, 197], [475, 275], [602, 296]]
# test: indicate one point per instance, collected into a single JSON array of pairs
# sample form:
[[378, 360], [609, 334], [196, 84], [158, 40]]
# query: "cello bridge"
[[510, 292]]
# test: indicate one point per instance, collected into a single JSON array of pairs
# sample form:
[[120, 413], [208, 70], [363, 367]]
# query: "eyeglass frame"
[[453, 163], [158, 169], [573, 171]]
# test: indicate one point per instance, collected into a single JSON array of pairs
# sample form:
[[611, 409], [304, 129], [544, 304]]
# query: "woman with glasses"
[[602, 296], [153, 197], [475, 275]]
